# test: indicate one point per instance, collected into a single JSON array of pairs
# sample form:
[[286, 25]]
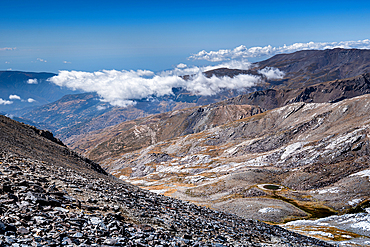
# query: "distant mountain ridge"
[[112, 142], [121, 138], [39, 89], [331, 91], [308, 67], [81, 113]]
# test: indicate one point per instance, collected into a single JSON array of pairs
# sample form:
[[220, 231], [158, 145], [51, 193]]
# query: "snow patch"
[[364, 173], [268, 210], [321, 233], [159, 191], [345, 108], [355, 201], [136, 182], [358, 223], [346, 139], [329, 190], [168, 169], [291, 149], [364, 225]]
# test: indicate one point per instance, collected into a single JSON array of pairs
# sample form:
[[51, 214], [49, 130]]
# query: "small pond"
[[271, 187]]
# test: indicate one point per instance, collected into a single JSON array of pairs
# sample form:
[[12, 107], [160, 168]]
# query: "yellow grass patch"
[[123, 172]]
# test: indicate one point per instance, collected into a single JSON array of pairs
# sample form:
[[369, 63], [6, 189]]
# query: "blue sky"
[[158, 35]]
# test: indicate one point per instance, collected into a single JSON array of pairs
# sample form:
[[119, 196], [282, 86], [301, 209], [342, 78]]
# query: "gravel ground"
[[46, 205]]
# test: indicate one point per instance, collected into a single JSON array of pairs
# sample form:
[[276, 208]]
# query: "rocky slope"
[[299, 161], [45, 202], [331, 91], [30, 142], [129, 136], [82, 113], [122, 138]]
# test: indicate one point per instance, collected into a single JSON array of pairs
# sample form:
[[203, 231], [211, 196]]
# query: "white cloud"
[[66, 62], [30, 100], [100, 107], [242, 52], [120, 88], [7, 62], [32, 81], [13, 96], [5, 102], [234, 64], [41, 60], [8, 48], [272, 73], [181, 66]]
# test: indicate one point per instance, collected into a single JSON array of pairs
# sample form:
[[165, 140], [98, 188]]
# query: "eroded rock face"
[[46, 205]]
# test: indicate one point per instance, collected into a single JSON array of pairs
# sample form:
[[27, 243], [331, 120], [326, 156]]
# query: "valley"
[[51, 196]]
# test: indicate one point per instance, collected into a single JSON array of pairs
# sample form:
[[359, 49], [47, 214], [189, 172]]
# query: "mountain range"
[[29, 89], [117, 140], [77, 114], [286, 151]]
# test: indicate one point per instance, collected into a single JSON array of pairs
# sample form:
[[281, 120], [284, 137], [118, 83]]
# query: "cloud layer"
[[41, 60], [14, 96], [8, 48], [5, 102], [242, 52], [120, 88], [272, 73], [32, 81]]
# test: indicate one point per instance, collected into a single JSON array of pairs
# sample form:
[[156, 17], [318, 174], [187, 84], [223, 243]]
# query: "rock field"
[[46, 205]]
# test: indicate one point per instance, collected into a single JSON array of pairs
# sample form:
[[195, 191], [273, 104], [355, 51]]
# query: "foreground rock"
[[41, 204]]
